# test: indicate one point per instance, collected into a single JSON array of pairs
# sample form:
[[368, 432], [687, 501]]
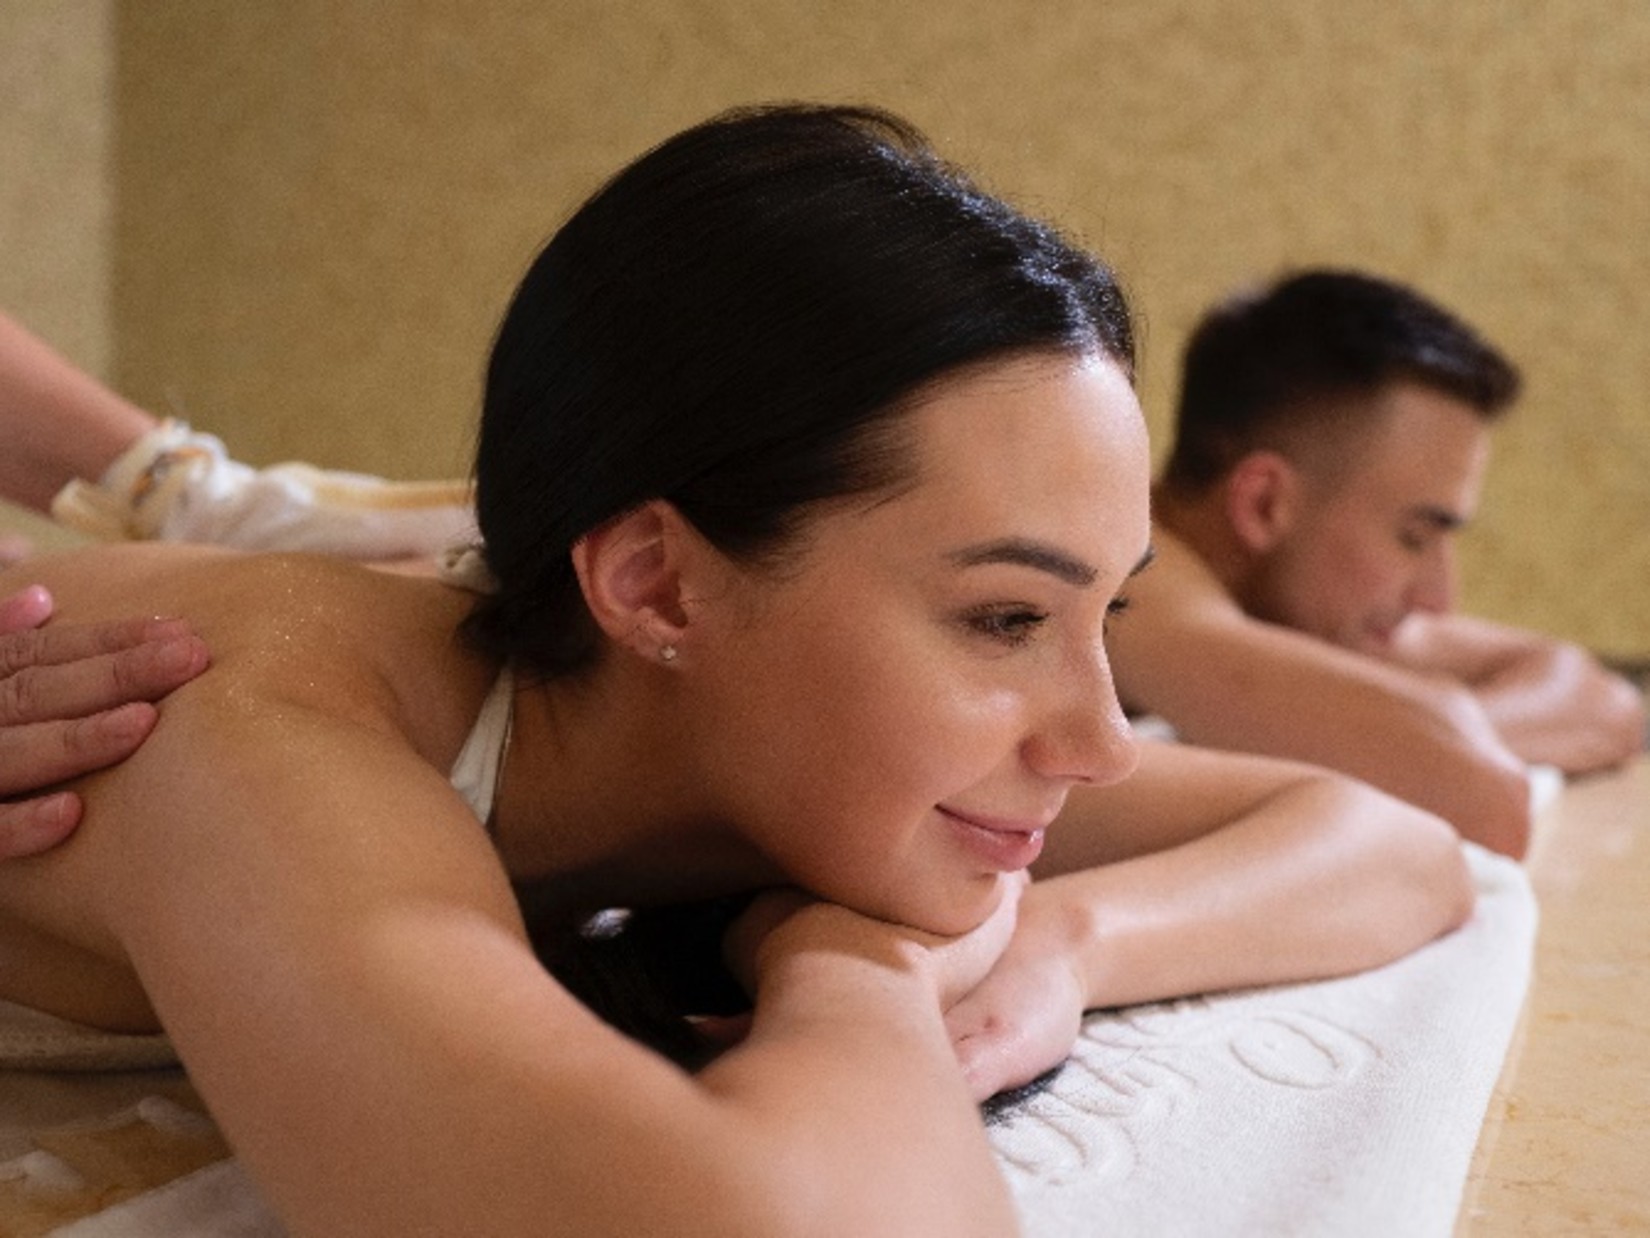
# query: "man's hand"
[[72, 700], [1551, 701]]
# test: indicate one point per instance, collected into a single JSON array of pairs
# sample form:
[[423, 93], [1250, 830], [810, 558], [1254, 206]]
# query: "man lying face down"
[[1331, 442]]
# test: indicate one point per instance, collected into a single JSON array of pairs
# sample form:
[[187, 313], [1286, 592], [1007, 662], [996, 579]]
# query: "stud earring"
[[667, 653]]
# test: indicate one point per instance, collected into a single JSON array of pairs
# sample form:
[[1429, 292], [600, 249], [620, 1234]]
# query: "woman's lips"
[[1004, 846]]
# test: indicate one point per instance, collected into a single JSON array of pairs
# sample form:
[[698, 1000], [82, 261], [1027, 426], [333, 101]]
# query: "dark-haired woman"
[[809, 476]]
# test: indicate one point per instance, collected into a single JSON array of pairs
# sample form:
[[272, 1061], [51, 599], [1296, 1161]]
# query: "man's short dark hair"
[[1260, 365]]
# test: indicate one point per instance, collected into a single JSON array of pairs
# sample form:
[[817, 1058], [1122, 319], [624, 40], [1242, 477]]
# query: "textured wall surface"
[[56, 81], [322, 206]]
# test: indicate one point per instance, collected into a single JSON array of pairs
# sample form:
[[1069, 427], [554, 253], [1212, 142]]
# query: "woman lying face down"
[[808, 476], [892, 716]]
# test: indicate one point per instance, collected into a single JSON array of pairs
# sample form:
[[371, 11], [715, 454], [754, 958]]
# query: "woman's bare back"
[[285, 632]]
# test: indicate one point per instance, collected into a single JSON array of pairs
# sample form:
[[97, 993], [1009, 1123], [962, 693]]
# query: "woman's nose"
[[1083, 735]]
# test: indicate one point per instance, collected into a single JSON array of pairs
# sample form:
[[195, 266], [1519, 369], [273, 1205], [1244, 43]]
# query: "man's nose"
[[1435, 585]]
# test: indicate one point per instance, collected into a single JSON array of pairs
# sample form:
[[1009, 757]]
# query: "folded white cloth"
[[1347, 1107], [177, 485]]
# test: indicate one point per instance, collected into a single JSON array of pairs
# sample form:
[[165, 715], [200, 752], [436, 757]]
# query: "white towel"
[[1342, 1108], [1348, 1107], [179, 485]]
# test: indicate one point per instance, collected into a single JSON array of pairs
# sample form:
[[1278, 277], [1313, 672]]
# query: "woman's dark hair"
[[1281, 362], [734, 324], [730, 324]]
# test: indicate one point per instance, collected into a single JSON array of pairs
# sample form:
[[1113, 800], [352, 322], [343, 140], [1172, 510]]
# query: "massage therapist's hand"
[[784, 923], [74, 699], [1024, 1017]]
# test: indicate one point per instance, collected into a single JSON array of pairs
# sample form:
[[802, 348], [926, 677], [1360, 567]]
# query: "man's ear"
[[631, 572], [1263, 497]]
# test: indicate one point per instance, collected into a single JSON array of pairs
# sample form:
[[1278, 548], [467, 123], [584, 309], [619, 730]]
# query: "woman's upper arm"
[[322, 928]]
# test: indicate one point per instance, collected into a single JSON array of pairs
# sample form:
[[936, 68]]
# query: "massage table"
[[1566, 1142]]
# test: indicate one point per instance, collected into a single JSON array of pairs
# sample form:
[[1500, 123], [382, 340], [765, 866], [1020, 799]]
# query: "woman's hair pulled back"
[[731, 324]]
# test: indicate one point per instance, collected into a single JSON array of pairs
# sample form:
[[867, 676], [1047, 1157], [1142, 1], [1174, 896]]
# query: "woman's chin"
[[962, 912]]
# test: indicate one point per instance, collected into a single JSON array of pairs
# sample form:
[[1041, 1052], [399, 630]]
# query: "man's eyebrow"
[[1026, 552], [1441, 518]]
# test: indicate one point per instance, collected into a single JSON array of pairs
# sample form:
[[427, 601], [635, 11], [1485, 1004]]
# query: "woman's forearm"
[[1324, 878]]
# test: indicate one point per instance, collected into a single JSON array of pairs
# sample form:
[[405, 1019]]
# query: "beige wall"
[[56, 107], [322, 205]]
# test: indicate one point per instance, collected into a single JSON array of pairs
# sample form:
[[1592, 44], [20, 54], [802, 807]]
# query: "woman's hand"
[[74, 699], [1024, 1017], [1014, 999], [784, 923]]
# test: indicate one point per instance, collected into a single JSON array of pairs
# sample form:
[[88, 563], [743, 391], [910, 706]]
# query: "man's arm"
[[1188, 652], [74, 699], [1550, 700]]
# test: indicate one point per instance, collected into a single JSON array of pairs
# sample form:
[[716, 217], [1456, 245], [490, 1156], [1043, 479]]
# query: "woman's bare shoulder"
[[331, 685], [223, 590], [307, 626]]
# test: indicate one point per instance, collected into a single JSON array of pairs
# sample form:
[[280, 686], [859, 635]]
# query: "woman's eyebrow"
[[1026, 552]]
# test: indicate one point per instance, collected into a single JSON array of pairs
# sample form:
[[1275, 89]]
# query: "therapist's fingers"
[[14, 548], [27, 644], [74, 699], [26, 608], [33, 758], [50, 675], [28, 827]]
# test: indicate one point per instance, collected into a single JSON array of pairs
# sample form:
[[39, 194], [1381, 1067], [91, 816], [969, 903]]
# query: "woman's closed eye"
[[1015, 624], [1012, 624]]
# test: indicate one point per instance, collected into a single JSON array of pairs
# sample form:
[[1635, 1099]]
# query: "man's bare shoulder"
[[1180, 584]]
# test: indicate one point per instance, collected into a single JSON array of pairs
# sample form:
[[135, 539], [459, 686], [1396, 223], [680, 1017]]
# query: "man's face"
[[1372, 539]]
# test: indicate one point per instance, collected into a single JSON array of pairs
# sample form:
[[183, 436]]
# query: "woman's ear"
[[631, 572], [1262, 494]]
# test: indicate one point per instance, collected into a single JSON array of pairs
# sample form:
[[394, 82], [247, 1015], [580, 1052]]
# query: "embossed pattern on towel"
[[1347, 1107], [1137, 1068]]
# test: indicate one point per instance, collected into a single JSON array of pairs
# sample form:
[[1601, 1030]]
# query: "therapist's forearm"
[[57, 422]]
